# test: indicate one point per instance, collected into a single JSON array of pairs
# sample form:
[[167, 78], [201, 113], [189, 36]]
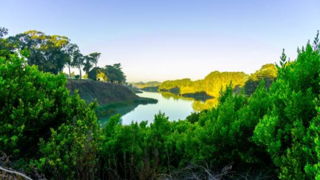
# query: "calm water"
[[174, 108]]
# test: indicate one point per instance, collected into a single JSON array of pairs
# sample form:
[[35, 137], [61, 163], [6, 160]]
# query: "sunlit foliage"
[[211, 84], [290, 129], [51, 53]]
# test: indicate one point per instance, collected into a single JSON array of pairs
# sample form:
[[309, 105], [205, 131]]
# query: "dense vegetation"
[[272, 134], [211, 84], [42, 125]]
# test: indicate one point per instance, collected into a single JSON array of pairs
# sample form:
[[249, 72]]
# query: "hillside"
[[210, 85], [105, 93]]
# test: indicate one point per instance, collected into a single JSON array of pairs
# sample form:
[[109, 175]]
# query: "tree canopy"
[[51, 53], [110, 73]]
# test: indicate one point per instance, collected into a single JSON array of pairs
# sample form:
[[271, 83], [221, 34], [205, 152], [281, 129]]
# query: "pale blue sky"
[[171, 39]]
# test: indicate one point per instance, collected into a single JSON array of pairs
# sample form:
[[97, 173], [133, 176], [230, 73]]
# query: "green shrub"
[[290, 129], [33, 104]]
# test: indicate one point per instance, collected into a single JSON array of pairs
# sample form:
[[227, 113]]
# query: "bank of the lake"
[[105, 93]]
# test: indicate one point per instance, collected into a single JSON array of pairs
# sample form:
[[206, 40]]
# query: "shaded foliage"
[[33, 104]]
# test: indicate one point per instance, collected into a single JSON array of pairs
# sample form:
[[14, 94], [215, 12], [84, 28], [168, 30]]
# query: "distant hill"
[[142, 85], [211, 84]]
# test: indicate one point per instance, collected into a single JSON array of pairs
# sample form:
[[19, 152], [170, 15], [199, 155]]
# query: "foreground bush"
[[36, 105], [290, 130]]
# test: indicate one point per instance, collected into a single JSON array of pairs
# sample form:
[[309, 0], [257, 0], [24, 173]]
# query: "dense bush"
[[290, 129], [219, 137], [36, 105], [30, 104]]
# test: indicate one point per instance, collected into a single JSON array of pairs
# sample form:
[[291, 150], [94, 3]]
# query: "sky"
[[172, 39]]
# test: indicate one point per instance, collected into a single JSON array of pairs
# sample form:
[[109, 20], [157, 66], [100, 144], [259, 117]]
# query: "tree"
[[71, 50], [90, 60], [94, 58], [87, 64], [115, 73], [45, 51], [78, 61]]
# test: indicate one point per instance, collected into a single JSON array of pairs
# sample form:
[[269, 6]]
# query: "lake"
[[174, 108]]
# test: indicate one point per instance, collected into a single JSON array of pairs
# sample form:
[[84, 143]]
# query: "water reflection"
[[176, 107], [197, 104], [208, 104], [169, 95]]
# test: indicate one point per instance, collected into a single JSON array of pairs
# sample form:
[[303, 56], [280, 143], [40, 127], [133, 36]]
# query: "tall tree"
[[87, 64], [72, 50], [78, 61], [55, 51], [47, 52]]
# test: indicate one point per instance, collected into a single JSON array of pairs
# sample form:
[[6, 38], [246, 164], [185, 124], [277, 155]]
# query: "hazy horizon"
[[165, 40]]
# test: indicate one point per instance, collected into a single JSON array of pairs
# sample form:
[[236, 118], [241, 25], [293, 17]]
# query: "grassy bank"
[[105, 93]]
